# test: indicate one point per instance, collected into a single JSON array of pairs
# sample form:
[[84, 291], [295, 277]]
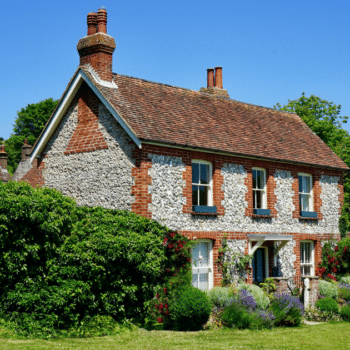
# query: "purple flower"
[[286, 302], [246, 300]]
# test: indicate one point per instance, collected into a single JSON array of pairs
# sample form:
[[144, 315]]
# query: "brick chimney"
[[214, 83], [3, 158], [96, 49], [26, 149]]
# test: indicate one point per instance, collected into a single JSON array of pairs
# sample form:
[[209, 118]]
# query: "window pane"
[[259, 200], [260, 180], [204, 254], [254, 178], [203, 195], [305, 202], [195, 276], [300, 183], [195, 173], [203, 281], [204, 174], [195, 195], [306, 270], [195, 256]]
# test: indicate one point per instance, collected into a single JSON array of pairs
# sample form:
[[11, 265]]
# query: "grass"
[[323, 336]]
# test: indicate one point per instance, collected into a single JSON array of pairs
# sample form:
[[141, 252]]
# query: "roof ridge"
[[203, 93]]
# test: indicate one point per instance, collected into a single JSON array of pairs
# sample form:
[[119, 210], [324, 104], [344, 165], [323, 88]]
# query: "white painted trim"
[[257, 245], [312, 256], [211, 268], [66, 100], [264, 189], [105, 83], [210, 194], [311, 192]]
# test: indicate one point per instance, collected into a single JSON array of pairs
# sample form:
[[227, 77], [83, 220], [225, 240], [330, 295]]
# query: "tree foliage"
[[324, 119], [28, 125]]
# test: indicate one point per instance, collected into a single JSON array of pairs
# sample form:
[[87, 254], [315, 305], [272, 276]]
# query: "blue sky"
[[270, 51]]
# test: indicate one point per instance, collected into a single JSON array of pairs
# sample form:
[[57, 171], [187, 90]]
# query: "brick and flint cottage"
[[196, 161]]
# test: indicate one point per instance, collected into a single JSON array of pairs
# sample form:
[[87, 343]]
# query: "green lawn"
[[323, 336]]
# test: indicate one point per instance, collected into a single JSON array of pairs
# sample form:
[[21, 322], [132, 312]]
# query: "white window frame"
[[210, 267], [264, 201], [312, 264], [311, 203], [210, 185]]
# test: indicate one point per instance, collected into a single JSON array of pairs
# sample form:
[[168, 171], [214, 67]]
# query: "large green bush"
[[327, 304], [328, 289], [62, 264], [260, 298], [345, 313], [190, 310]]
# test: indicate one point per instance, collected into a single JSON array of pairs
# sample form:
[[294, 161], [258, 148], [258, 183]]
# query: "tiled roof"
[[171, 115]]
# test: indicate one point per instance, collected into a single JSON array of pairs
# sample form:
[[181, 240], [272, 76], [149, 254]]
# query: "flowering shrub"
[[287, 309], [246, 300], [176, 276], [345, 279], [328, 289], [267, 318], [190, 310], [316, 315], [344, 291], [345, 313], [218, 296], [236, 316], [215, 320], [260, 298], [327, 304], [335, 259]]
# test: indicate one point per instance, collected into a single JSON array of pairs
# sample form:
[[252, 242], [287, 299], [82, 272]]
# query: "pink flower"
[[172, 234], [165, 290], [160, 320], [157, 295], [336, 248]]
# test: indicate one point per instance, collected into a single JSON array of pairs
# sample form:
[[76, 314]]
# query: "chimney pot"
[[3, 158], [210, 77], [102, 20], [92, 23], [218, 77], [26, 149]]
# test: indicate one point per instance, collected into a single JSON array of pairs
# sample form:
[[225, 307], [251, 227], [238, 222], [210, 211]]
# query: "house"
[[196, 161], [4, 175]]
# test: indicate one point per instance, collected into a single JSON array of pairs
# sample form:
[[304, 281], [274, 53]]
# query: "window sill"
[[205, 214], [262, 216], [308, 218]]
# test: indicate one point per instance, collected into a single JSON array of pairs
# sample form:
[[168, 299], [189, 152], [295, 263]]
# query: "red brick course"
[[34, 176]]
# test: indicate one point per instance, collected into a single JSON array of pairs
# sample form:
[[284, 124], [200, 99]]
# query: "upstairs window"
[[305, 193], [201, 183], [307, 258], [259, 189]]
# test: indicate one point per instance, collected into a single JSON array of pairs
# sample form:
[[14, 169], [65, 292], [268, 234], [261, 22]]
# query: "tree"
[[28, 125], [324, 119]]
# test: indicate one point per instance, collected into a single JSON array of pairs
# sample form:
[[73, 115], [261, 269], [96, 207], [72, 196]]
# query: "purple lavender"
[[344, 285], [286, 302], [246, 300]]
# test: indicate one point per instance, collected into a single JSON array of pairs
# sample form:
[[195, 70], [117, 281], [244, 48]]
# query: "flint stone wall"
[[23, 167], [98, 178], [167, 201], [236, 246]]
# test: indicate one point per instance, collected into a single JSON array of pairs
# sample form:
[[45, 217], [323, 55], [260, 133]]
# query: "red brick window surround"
[[217, 180], [270, 186]]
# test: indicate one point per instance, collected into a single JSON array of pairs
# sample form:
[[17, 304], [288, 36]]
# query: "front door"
[[259, 265]]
